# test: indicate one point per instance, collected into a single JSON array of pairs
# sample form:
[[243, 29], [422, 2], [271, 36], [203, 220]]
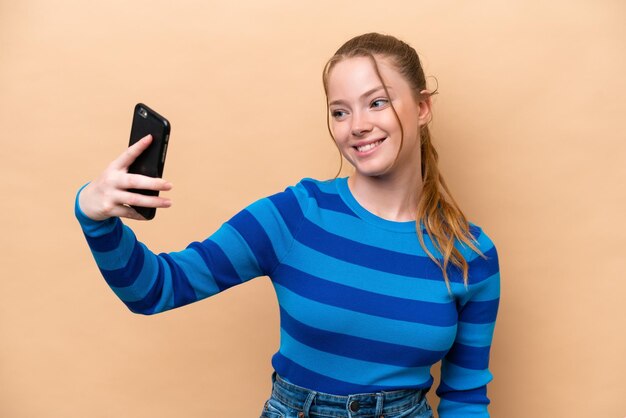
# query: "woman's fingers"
[[137, 199], [109, 194], [131, 153], [123, 211], [137, 181]]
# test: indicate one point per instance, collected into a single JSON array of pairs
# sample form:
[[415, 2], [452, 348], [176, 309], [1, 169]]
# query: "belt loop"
[[307, 404], [379, 405]]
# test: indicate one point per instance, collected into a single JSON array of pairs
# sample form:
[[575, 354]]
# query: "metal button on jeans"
[[354, 406]]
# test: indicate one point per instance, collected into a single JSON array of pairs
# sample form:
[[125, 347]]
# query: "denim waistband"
[[358, 405]]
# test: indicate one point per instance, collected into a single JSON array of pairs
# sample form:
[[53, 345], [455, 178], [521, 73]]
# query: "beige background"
[[529, 126]]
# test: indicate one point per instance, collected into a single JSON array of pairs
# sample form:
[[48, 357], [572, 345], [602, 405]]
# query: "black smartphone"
[[152, 160]]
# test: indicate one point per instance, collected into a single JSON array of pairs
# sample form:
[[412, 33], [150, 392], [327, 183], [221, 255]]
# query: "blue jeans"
[[291, 401]]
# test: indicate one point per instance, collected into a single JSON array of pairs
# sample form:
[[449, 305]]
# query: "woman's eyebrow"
[[367, 93]]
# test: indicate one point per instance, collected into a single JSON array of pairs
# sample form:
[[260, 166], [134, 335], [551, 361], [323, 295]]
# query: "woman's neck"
[[390, 197]]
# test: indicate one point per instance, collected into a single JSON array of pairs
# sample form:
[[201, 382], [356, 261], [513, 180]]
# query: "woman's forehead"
[[358, 74]]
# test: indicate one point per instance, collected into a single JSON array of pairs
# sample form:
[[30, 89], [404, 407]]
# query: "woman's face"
[[363, 123]]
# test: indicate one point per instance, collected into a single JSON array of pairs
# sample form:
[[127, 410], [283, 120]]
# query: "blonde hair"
[[441, 216]]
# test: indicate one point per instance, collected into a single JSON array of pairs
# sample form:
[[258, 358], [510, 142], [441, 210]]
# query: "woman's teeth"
[[368, 147]]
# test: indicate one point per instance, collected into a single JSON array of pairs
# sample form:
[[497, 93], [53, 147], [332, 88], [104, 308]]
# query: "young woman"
[[378, 275]]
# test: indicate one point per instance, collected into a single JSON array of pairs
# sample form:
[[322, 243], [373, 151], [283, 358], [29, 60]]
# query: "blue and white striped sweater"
[[362, 307]]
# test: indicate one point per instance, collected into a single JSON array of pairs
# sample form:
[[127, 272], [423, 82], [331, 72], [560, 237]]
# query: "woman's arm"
[[248, 245], [465, 369]]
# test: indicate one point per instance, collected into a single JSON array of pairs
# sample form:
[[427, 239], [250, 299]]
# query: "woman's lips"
[[362, 149]]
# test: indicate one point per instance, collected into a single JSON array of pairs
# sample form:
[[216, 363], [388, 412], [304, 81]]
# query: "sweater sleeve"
[[249, 245], [464, 369]]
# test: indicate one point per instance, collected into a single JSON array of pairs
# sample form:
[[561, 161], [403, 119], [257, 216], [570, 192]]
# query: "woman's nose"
[[360, 125]]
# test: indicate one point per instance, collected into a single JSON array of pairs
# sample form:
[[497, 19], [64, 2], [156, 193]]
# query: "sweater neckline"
[[346, 194]]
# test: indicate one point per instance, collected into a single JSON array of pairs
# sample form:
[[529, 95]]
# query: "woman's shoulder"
[[482, 241], [479, 234], [309, 188], [482, 265], [484, 268], [302, 194], [313, 186]]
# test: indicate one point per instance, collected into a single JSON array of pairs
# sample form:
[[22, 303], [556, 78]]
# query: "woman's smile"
[[365, 148]]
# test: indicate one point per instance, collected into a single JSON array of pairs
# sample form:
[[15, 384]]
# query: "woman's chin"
[[371, 172]]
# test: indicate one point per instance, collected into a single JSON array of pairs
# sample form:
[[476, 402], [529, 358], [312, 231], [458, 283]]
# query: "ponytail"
[[441, 216]]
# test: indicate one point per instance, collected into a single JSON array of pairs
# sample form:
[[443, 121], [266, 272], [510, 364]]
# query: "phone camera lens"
[[143, 113]]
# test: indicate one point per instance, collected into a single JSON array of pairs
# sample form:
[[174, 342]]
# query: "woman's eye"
[[337, 114], [379, 102]]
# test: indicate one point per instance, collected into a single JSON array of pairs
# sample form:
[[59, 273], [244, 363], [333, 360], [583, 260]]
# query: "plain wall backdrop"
[[528, 124]]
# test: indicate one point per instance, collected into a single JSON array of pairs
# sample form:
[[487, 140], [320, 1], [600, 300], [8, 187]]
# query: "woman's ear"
[[425, 104]]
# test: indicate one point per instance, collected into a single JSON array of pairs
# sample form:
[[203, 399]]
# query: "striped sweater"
[[362, 307]]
